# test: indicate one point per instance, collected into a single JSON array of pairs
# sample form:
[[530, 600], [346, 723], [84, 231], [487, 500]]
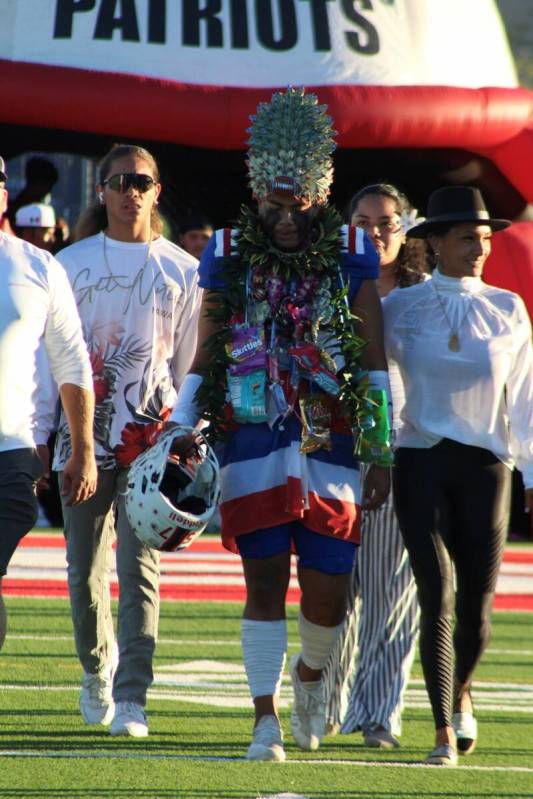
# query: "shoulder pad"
[[225, 242], [352, 240]]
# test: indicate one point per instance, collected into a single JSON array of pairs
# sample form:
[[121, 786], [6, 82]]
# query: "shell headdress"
[[291, 142]]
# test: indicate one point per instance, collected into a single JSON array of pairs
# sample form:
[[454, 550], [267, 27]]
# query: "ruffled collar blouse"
[[464, 352]]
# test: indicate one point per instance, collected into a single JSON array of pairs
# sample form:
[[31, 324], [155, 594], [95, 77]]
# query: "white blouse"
[[481, 394]]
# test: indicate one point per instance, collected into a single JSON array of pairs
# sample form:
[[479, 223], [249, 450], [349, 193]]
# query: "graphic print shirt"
[[139, 316]]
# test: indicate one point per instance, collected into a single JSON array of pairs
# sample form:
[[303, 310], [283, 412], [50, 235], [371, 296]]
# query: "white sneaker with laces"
[[267, 741], [308, 714], [96, 700], [130, 719]]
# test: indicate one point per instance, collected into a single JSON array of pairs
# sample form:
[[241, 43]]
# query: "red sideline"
[[214, 545], [58, 542], [183, 593], [199, 593]]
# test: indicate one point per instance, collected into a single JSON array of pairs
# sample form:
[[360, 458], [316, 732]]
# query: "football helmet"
[[169, 501]]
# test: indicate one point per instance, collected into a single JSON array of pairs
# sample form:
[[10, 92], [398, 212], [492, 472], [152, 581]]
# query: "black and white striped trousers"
[[383, 618]]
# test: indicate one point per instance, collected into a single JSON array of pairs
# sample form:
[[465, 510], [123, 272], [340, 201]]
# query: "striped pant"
[[383, 619]]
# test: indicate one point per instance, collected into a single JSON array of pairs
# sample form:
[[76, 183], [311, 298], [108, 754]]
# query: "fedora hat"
[[455, 205]]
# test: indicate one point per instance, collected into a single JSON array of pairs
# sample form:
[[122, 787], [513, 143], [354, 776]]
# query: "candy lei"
[[299, 294]]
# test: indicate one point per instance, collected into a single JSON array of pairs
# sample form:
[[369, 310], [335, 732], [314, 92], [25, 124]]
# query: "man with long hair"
[[138, 299]]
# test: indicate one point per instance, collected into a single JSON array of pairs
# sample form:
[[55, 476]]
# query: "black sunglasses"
[[127, 180]]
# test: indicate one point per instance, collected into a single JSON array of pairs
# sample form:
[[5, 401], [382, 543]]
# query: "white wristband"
[[186, 408], [380, 381]]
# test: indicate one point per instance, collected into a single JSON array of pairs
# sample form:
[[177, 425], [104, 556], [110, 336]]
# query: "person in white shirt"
[[368, 670], [466, 360], [37, 309], [36, 223], [138, 300]]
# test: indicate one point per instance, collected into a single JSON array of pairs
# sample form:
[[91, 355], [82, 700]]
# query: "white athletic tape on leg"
[[264, 646], [317, 642]]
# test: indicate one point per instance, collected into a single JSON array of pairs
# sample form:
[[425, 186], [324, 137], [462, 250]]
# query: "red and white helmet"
[[168, 502]]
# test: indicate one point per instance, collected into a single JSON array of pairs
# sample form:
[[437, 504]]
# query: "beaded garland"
[[317, 300]]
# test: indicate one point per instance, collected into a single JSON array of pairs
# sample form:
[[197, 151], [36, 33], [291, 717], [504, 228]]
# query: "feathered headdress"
[[291, 142]]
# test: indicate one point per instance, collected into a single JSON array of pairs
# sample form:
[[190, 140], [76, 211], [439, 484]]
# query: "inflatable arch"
[[414, 96]]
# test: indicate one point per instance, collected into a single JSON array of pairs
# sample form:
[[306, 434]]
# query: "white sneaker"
[[377, 738], [130, 719], [96, 700], [267, 742], [308, 714], [445, 755]]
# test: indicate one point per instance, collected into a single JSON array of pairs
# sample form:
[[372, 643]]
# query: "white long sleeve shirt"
[[45, 398], [139, 309], [36, 304], [481, 395]]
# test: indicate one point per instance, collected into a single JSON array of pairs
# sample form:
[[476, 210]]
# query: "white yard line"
[[223, 684], [216, 758], [229, 642]]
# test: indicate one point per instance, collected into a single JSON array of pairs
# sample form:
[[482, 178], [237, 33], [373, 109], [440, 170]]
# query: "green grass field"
[[200, 722]]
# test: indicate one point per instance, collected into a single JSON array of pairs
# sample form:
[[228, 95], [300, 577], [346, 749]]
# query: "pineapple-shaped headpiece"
[[291, 142]]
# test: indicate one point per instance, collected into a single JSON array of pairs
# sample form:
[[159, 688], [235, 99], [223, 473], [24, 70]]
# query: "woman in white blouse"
[[465, 357]]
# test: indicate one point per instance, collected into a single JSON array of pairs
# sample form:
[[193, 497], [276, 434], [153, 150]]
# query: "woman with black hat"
[[465, 357]]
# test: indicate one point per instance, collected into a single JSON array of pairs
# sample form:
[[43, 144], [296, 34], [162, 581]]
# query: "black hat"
[[3, 173], [455, 205]]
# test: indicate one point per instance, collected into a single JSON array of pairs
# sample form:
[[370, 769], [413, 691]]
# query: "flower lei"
[[320, 258]]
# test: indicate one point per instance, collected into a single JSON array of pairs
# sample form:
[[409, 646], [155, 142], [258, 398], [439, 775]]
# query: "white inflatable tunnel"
[[419, 90]]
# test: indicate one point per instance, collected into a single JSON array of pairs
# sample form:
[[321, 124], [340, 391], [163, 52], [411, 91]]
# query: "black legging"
[[452, 503]]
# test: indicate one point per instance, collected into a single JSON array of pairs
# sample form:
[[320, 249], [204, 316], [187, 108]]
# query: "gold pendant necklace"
[[454, 343]]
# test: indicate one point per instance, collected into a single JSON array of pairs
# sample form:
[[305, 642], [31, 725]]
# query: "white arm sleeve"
[[186, 408]]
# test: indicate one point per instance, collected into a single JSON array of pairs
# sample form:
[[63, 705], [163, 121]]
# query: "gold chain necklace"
[[453, 342], [143, 267]]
